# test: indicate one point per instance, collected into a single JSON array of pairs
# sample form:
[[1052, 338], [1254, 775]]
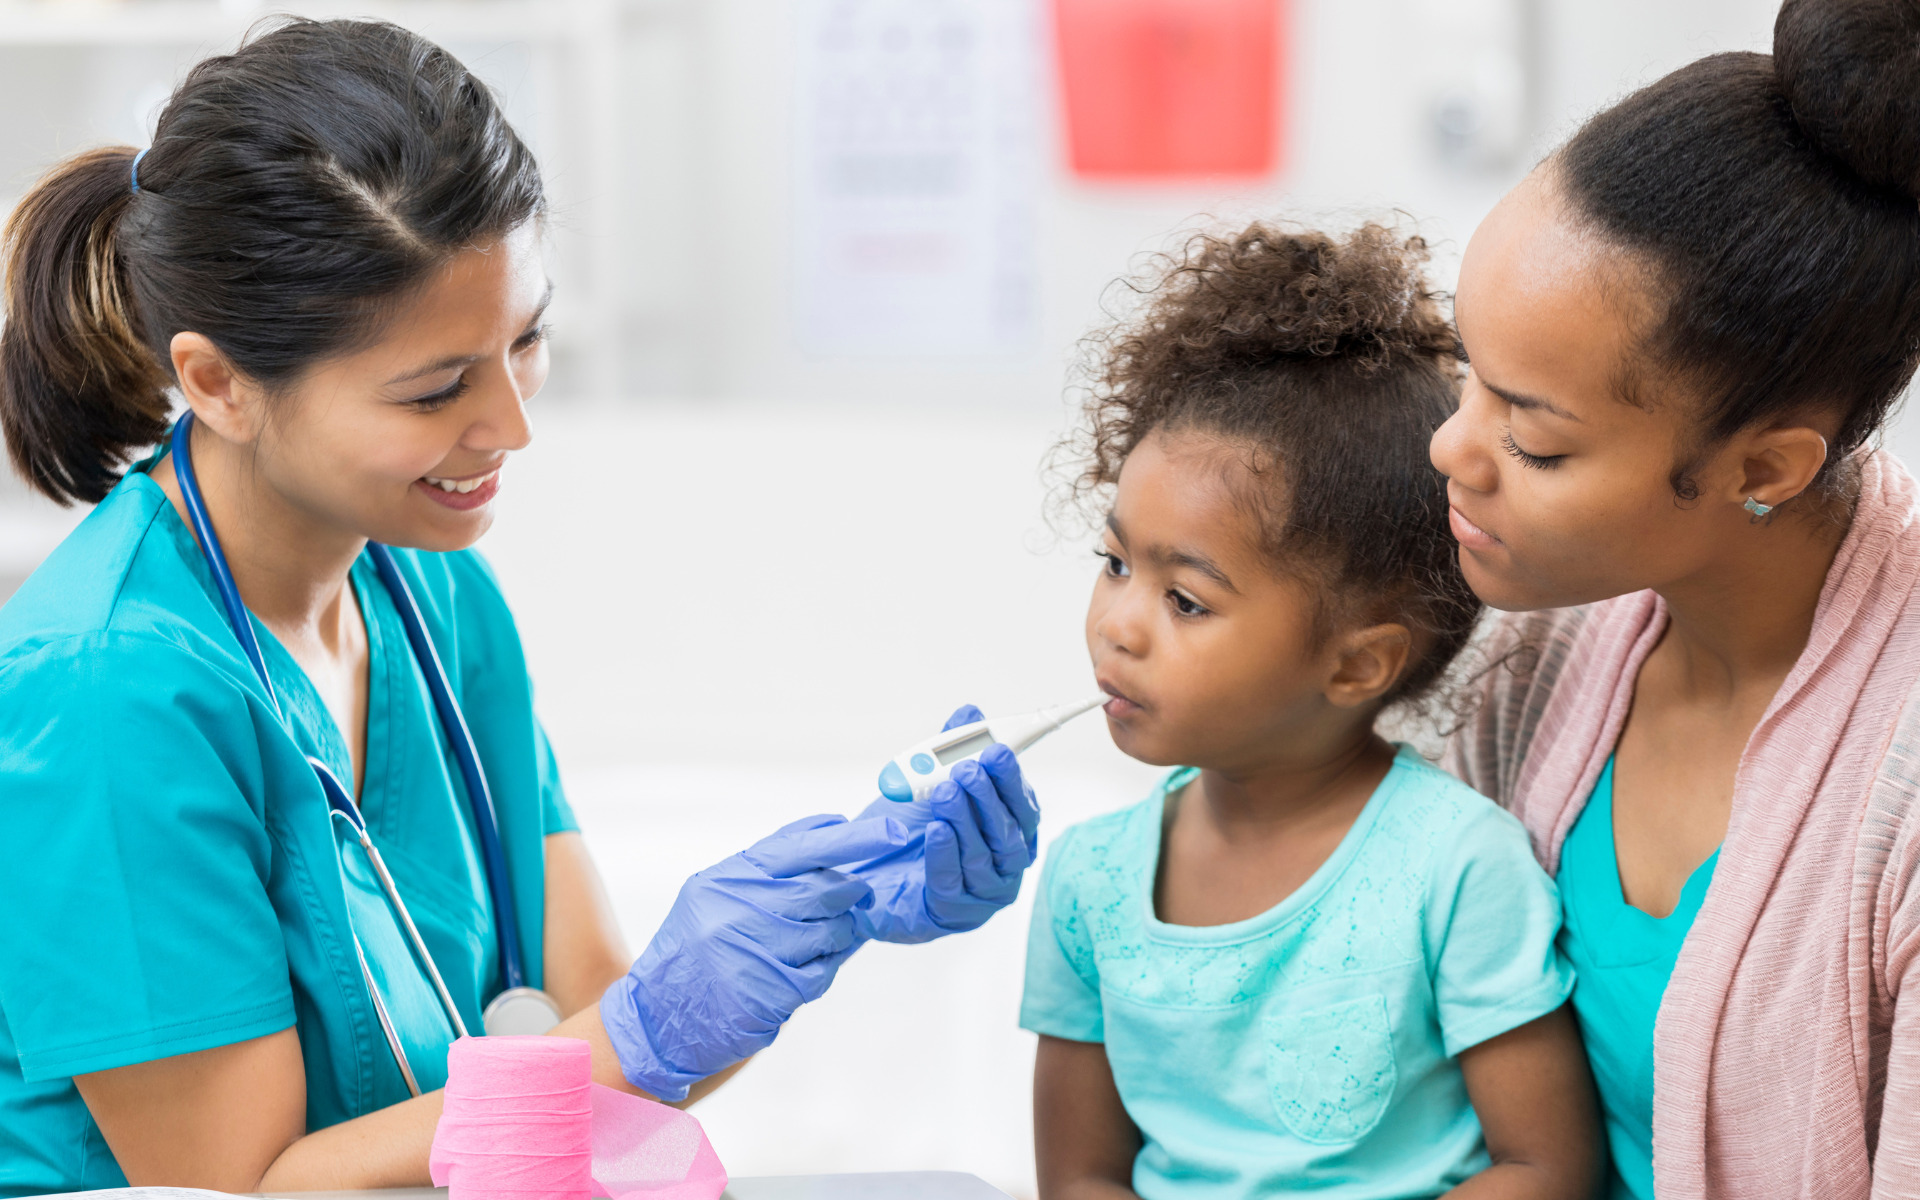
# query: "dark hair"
[[295, 190], [1773, 201], [1329, 359]]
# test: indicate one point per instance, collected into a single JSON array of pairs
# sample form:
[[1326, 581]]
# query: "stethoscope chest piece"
[[520, 1011]]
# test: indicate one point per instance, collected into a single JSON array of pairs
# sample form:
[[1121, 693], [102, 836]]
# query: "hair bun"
[[1850, 70], [1272, 291]]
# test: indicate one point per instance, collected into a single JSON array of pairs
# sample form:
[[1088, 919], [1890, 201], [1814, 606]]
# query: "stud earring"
[[1756, 508]]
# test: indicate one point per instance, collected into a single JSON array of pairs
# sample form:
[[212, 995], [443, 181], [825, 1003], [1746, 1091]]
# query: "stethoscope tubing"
[[387, 1030], [350, 813], [486, 822], [217, 557], [339, 802]]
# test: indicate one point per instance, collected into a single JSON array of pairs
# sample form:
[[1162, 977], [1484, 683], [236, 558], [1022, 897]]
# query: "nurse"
[[1687, 328], [332, 252]]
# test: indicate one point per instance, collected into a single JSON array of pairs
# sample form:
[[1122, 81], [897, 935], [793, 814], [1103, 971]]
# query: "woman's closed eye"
[[434, 401], [1538, 461]]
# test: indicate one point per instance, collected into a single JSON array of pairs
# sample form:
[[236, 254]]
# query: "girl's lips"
[[1467, 533], [462, 501], [1119, 706]]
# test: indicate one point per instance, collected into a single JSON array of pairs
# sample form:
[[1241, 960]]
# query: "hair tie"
[[134, 173]]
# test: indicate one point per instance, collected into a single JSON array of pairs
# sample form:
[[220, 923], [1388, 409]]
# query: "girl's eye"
[[533, 337], [1187, 606], [1115, 569], [433, 401], [1538, 461]]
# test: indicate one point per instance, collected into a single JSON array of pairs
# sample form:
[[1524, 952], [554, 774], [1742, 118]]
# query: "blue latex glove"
[[748, 941], [974, 837]]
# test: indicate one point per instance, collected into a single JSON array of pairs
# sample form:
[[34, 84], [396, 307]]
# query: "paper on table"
[[645, 1149], [146, 1193]]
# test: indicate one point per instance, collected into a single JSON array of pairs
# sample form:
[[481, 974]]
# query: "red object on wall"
[[1170, 88]]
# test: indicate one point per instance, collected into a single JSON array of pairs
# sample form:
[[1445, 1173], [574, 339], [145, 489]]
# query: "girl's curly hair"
[[1330, 361]]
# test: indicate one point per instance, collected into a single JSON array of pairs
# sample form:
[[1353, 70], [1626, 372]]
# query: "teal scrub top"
[[172, 877], [1314, 1047], [1622, 958]]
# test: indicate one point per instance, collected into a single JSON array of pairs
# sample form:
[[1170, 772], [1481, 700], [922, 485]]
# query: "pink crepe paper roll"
[[517, 1121], [522, 1120], [518, 1068]]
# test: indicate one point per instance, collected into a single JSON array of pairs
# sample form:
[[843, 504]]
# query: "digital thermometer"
[[914, 772]]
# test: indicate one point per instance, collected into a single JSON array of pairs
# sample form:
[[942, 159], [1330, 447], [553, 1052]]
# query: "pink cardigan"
[[1780, 1046]]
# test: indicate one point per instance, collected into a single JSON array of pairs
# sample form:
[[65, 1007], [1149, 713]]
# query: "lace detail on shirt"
[[1367, 919], [1331, 1070]]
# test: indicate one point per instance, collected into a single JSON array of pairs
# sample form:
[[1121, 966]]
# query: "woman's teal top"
[[171, 876], [1622, 959]]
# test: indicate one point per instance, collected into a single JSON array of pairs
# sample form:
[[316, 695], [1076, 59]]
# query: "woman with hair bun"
[[331, 257], [1686, 328]]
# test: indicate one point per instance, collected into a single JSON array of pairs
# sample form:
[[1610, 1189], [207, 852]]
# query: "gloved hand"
[[748, 941], [974, 837]]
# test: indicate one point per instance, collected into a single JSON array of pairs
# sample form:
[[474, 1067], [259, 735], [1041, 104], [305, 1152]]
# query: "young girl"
[[1308, 960]]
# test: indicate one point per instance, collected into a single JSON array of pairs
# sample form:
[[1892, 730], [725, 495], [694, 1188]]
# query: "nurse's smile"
[[466, 493]]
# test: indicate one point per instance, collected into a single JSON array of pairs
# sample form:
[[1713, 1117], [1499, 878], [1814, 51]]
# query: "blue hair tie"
[[135, 172]]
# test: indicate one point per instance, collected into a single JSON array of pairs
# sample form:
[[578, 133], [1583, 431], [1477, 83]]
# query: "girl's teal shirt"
[[1314, 1047], [172, 878]]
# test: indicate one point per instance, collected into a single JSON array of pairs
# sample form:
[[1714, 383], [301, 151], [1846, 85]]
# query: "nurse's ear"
[[221, 398]]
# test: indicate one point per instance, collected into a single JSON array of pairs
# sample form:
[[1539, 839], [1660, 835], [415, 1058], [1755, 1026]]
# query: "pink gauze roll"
[[523, 1120]]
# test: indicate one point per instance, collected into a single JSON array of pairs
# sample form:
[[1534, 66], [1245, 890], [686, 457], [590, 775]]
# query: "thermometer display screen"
[[964, 748]]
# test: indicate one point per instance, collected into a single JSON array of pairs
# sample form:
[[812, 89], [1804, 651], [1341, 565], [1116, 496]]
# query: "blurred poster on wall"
[[917, 136]]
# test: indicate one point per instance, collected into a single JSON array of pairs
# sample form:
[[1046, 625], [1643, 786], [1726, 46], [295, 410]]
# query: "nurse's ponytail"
[[78, 385], [295, 190]]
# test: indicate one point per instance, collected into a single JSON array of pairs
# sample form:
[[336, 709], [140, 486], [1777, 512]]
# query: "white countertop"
[[889, 1185]]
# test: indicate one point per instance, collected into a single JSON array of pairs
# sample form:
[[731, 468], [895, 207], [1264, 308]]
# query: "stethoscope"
[[518, 1009]]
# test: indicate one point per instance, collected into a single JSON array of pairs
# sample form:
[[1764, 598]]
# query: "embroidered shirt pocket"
[[1331, 1069]]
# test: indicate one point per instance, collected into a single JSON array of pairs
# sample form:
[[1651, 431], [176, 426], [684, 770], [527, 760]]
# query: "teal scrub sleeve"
[[1492, 919], [135, 860], [1062, 993], [556, 815]]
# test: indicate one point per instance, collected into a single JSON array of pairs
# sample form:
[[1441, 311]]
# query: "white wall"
[[715, 318]]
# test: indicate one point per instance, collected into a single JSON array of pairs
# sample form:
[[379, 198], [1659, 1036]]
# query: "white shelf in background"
[[580, 49], [150, 22]]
